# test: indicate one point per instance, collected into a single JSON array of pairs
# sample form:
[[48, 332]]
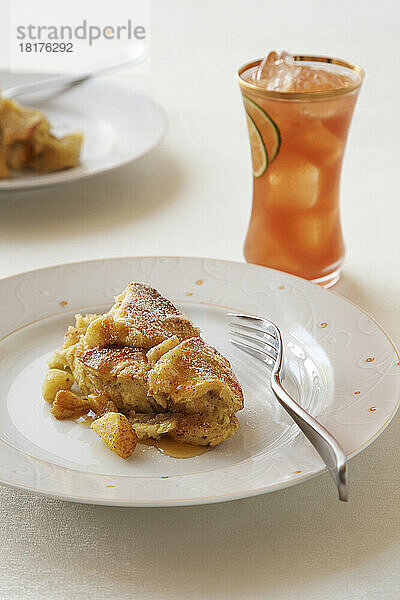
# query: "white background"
[[191, 196]]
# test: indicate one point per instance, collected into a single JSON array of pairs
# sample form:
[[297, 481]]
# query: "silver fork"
[[263, 340]]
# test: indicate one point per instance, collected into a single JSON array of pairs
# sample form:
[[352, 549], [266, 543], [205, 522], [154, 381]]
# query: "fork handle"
[[324, 443]]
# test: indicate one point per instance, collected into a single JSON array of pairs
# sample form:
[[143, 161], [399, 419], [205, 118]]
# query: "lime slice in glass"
[[266, 126], [258, 152]]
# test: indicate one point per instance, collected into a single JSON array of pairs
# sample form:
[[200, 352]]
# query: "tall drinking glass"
[[297, 140]]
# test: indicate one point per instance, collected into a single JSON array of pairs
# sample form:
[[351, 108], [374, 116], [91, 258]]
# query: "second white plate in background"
[[118, 124]]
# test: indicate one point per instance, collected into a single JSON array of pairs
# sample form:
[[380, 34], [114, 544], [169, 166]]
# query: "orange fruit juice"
[[298, 114]]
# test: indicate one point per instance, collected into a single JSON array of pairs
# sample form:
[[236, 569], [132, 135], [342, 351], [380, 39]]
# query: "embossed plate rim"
[[96, 485], [130, 103]]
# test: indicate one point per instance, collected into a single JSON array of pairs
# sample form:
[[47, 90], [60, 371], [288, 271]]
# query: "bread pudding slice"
[[141, 318], [150, 364]]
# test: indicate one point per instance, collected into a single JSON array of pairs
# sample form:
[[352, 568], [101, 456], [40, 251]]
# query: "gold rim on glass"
[[345, 89]]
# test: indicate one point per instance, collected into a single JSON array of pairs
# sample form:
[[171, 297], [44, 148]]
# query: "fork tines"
[[258, 336]]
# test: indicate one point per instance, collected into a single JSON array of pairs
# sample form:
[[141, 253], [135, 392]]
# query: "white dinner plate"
[[118, 124], [340, 365]]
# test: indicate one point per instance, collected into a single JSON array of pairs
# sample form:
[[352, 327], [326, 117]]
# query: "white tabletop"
[[191, 196]]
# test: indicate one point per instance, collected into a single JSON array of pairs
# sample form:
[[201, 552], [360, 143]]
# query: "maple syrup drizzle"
[[175, 449]]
